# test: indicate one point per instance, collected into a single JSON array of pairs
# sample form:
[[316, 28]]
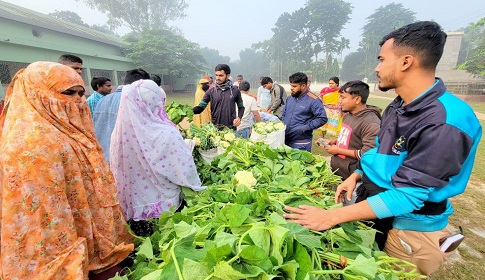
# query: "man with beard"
[[424, 153], [303, 112], [223, 98]]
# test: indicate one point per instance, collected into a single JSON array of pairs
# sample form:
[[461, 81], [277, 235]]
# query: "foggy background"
[[231, 26]]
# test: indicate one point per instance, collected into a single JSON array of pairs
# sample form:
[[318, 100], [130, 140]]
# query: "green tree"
[[162, 50], [139, 15], [322, 70], [68, 16], [384, 20], [280, 49], [300, 37], [353, 67], [252, 64], [75, 18], [326, 19], [103, 28], [474, 61], [213, 57]]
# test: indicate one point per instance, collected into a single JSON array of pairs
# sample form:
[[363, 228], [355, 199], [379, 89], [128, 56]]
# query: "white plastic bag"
[[190, 144], [209, 155], [273, 139]]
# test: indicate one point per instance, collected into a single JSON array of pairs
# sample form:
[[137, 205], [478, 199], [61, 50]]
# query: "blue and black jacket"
[[424, 155], [302, 115]]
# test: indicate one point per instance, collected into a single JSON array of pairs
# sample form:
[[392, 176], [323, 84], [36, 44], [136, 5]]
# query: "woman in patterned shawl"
[[148, 156], [60, 217], [329, 96]]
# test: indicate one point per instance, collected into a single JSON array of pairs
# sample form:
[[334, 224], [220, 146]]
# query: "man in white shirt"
[[244, 129], [264, 96]]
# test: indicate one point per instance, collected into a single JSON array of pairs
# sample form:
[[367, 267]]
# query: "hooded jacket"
[[358, 132]]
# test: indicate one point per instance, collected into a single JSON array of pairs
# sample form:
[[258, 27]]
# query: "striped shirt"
[[93, 101]]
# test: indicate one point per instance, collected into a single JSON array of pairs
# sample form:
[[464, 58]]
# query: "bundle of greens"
[[178, 112], [235, 230]]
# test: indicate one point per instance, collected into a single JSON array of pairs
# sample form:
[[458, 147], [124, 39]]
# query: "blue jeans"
[[307, 147], [243, 133]]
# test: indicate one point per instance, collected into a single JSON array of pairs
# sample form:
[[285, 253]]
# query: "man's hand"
[[236, 122], [311, 217], [346, 188]]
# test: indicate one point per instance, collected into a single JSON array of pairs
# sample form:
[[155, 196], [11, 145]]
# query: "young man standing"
[[223, 98], [360, 126], [72, 61], [303, 112], [424, 153], [239, 79], [250, 110], [264, 96], [278, 97], [101, 87]]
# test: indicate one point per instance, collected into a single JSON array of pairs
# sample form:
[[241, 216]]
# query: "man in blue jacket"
[[106, 111], [424, 154], [303, 112]]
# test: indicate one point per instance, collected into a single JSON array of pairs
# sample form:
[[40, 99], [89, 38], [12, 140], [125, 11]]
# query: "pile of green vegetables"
[[235, 230], [209, 137]]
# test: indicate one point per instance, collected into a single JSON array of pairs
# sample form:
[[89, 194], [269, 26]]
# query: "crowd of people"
[[424, 152], [75, 171]]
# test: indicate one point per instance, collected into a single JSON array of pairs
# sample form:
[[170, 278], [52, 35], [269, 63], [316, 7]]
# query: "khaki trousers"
[[419, 248]]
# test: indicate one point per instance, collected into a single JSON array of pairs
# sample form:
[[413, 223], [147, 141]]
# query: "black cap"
[[244, 85]]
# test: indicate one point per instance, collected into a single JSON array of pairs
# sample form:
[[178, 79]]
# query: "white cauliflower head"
[[229, 136], [245, 178]]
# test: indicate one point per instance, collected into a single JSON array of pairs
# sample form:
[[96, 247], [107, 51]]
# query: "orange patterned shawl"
[[60, 216]]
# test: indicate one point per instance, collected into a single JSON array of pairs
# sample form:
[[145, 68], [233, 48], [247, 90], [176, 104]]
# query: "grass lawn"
[[467, 261], [180, 97], [478, 106]]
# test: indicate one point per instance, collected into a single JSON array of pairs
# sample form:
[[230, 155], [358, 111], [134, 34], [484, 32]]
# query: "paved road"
[[480, 116]]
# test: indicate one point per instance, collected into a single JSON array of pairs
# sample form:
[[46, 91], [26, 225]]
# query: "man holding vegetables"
[[424, 153]]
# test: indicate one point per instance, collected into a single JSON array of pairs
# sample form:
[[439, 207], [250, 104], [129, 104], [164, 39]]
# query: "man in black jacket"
[[223, 98]]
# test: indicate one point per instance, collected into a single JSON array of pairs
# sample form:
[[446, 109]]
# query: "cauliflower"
[[269, 127], [229, 136], [224, 144], [245, 178], [279, 126], [260, 130], [259, 125], [197, 141]]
